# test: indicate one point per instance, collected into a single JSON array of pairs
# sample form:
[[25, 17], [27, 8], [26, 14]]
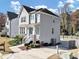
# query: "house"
[[12, 24], [75, 21], [40, 24]]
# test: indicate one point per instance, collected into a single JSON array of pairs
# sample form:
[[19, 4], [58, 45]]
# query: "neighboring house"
[[41, 23], [75, 21], [12, 23]]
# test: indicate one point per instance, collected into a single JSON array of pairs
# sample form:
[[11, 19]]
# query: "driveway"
[[35, 53]]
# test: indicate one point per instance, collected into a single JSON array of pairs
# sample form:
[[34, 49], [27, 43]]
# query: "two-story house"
[[12, 24], [41, 23]]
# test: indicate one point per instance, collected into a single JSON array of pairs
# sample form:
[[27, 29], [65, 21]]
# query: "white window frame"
[[38, 18], [22, 30], [32, 18], [23, 19]]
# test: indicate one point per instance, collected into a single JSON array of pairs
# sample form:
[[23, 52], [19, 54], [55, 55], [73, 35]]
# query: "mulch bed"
[[22, 48]]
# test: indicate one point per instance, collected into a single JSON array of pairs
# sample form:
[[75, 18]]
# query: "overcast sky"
[[53, 5]]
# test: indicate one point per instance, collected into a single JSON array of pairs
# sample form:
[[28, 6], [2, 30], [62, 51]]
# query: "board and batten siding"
[[14, 27], [24, 13]]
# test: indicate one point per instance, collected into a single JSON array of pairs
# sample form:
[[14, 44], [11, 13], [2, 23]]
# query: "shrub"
[[17, 40], [13, 42], [3, 35]]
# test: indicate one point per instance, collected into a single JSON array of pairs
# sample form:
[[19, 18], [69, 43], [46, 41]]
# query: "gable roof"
[[46, 11], [11, 15], [28, 9]]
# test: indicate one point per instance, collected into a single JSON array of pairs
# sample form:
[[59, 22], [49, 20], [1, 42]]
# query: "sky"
[[52, 5]]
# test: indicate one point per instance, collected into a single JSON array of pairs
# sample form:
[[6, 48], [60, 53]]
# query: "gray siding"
[[46, 25], [14, 27]]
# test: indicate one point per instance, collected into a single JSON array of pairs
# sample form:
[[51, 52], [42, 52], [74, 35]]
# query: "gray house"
[[40, 24], [11, 24]]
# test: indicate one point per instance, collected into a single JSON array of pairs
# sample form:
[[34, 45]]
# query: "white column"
[[34, 32], [34, 36], [25, 30]]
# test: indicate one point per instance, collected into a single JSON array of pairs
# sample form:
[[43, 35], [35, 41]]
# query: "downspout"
[[10, 28]]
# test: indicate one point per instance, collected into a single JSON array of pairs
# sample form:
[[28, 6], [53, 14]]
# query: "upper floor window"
[[53, 21], [32, 16], [38, 17], [52, 30], [23, 19]]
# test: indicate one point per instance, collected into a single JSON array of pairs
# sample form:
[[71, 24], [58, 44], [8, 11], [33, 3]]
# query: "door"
[[30, 30]]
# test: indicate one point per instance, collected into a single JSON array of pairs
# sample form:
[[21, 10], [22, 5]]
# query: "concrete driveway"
[[35, 53]]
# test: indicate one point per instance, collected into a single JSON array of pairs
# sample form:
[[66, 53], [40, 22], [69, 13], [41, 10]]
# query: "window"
[[53, 21], [32, 16], [30, 30], [38, 17], [22, 30], [23, 19], [52, 30], [37, 30]]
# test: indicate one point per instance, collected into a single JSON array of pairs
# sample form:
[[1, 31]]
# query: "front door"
[[30, 30]]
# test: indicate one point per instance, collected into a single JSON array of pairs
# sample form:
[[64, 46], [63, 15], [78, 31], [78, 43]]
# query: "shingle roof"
[[11, 15], [46, 11], [28, 9]]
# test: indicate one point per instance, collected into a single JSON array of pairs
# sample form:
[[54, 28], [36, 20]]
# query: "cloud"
[[77, 0], [31, 6], [54, 10], [71, 6], [15, 5], [60, 4], [40, 6], [77, 8], [70, 1]]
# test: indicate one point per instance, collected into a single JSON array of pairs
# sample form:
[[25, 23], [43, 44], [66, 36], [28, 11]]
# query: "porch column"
[[34, 36], [34, 31]]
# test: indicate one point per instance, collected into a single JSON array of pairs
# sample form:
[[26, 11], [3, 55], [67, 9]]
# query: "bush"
[[13, 42], [45, 44], [3, 35], [17, 40]]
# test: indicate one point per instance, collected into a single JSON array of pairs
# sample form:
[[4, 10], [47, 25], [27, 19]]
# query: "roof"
[[11, 15], [28, 9], [46, 11]]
